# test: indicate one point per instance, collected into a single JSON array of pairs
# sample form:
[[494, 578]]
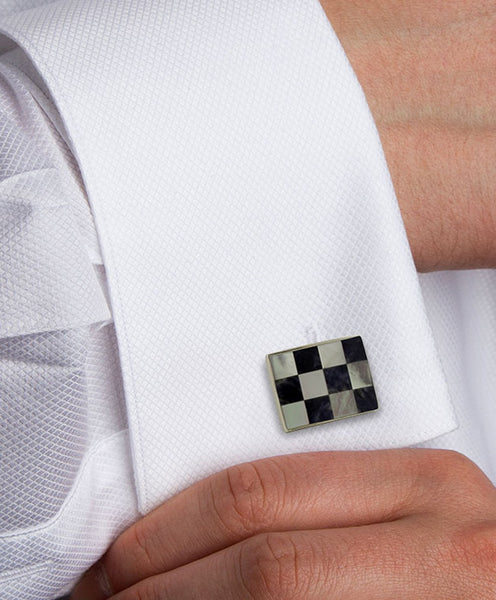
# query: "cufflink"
[[323, 382]]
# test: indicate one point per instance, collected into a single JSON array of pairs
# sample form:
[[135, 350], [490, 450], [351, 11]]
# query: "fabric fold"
[[47, 280]]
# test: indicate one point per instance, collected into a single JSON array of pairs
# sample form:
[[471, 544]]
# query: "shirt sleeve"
[[243, 207], [61, 414]]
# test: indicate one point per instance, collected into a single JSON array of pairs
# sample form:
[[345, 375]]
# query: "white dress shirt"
[[229, 176], [62, 418]]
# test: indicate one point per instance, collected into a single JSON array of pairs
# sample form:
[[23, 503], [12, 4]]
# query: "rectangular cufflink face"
[[322, 382]]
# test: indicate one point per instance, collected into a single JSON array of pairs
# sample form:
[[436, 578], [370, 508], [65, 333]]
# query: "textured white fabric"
[[462, 311], [243, 206], [65, 471]]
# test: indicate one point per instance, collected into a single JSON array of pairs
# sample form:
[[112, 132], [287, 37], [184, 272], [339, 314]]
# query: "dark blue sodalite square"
[[337, 379], [319, 409], [289, 390], [354, 349], [365, 399], [307, 359]]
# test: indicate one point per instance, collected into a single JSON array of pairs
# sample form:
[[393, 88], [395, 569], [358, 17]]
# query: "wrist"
[[426, 75]]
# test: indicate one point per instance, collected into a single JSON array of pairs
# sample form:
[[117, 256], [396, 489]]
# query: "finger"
[[306, 491], [375, 562]]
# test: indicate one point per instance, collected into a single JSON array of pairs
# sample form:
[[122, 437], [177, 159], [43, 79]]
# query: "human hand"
[[411, 524], [428, 70]]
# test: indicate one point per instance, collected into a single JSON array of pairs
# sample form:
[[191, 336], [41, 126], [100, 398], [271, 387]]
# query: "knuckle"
[[142, 540], [273, 567], [475, 545], [408, 489], [456, 462], [448, 477], [467, 483], [472, 552], [441, 464], [247, 497], [415, 488]]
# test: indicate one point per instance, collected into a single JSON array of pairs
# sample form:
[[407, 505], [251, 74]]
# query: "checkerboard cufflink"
[[322, 382]]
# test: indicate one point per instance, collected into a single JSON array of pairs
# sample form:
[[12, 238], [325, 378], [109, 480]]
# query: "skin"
[[428, 69], [377, 525], [413, 524]]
